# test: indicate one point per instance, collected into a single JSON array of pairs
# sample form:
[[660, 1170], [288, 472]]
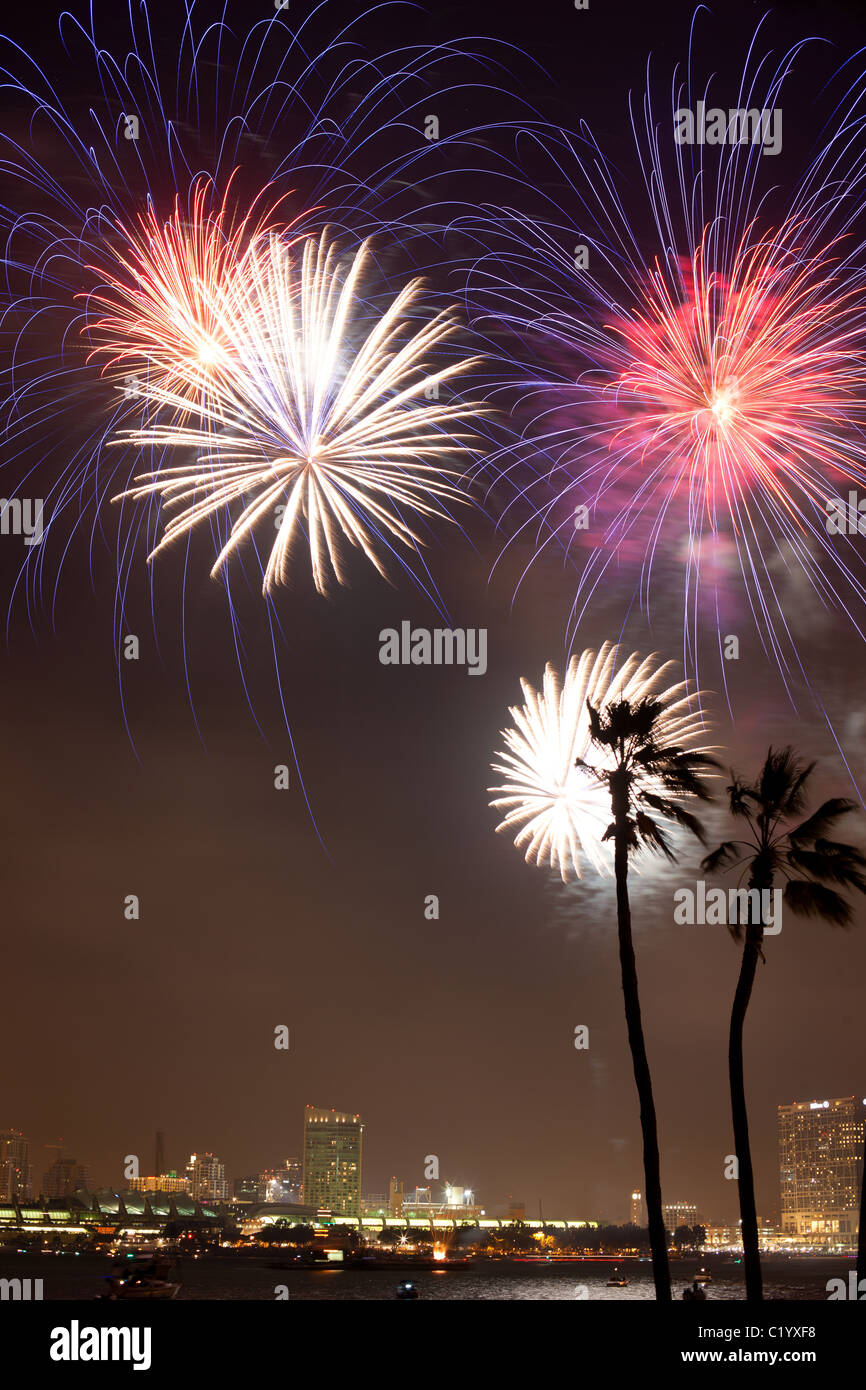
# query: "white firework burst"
[[340, 427], [561, 810]]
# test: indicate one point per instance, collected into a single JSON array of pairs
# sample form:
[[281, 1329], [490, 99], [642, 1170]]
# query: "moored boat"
[[144, 1278]]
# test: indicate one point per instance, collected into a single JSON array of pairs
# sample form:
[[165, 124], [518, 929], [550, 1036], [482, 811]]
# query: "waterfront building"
[[679, 1214], [16, 1175], [159, 1182], [206, 1178], [636, 1216], [333, 1155], [821, 1168]]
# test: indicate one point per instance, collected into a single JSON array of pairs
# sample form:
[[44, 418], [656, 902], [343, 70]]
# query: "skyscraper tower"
[[15, 1172], [820, 1168], [333, 1144], [206, 1177]]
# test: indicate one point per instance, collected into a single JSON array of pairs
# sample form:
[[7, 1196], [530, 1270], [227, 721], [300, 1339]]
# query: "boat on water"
[[617, 1281], [695, 1293], [703, 1277], [143, 1278], [407, 1290]]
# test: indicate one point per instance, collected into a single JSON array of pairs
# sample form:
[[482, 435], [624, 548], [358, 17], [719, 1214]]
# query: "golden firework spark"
[[340, 428], [159, 309]]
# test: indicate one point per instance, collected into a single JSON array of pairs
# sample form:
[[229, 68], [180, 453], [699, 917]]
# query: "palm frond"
[[721, 858], [653, 837], [781, 785], [816, 900], [672, 810], [823, 819], [742, 797], [829, 867]]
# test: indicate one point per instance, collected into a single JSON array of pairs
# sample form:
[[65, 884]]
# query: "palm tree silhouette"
[[632, 734], [811, 865]]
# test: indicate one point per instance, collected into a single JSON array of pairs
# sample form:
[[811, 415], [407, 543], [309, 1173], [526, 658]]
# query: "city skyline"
[[220, 1183]]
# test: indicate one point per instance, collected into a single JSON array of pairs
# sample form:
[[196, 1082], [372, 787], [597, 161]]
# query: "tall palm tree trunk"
[[652, 1173], [739, 1112]]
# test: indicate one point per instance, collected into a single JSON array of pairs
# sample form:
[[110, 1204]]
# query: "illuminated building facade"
[[820, 1169], [206, 1178], [679, 1214], [333, 1154], [15, 1171], [160, 1182], [635, 1215], [395, 1198]]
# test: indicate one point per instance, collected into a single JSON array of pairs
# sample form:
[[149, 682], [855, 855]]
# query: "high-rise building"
[[206, 1178], [679, 1214], [636, 1209], [333, 1147], [16, 1181], [821, 1167], [65, 1177]]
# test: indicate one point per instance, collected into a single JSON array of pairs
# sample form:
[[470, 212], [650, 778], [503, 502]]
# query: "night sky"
[[451, 1037]]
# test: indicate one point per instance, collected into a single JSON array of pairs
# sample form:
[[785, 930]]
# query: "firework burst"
[[337, 426], [161, 302], [124, 224], [691, 410], [736, 402], [559, 808]]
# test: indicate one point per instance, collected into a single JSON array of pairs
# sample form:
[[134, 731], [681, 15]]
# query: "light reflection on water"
[[239, 1279]]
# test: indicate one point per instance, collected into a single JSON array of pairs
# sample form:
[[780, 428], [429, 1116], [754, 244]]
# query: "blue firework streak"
[[694, 376]]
